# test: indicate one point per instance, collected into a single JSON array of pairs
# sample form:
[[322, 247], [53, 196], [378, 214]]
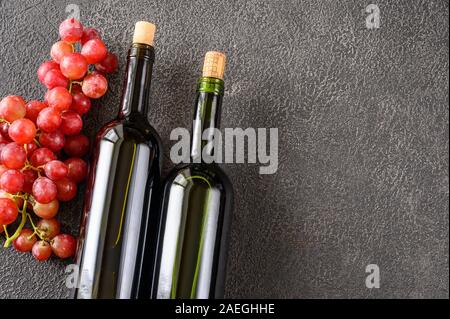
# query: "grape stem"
[[16, 234], [31, 167], [74, 82], [36, 230], [6, 231], [37, 142]]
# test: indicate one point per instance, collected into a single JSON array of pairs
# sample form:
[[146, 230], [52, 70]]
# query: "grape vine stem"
[[35, 229], [16, 234]]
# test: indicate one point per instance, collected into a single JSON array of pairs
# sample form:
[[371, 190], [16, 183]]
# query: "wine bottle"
[[123, 191], [197, 203]]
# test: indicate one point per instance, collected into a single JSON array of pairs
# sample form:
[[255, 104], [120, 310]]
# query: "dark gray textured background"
[[363, 124]]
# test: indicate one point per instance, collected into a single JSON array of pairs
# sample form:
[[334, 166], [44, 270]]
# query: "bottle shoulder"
[[119, 130], [210, 174]]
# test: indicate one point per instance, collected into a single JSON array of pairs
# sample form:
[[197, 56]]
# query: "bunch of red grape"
[[41, 145]]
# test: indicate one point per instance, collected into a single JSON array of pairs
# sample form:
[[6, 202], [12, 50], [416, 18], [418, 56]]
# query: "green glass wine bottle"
[[122, 199], [197, 205]]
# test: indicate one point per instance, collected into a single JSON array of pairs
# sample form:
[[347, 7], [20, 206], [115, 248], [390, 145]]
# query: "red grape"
[[77, 145], [48, 228], [94, 85], [46, 211], [46, 96], [53, 141], [80, 103], [54, 78], [25, 241], [89, 34], [77, 169], [29, 178], [94, 51], [4, 127], [67, 189], [33, 108], [108, 64], [22, 131], [74, 66], [13, 156], [8, 211], [71, 30], [41, 156], [3, 169], [59, 98], [64, 245], [71, 123], [12, 108], [3, 141], [60, 49], [76, 88], [49, 119], [41, 250], [30, 148], [44, 190], [12, 181], [56, 170], [44, 68]]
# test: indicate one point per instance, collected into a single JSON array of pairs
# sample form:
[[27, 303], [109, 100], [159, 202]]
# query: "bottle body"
[[123, 195], [196, 210], [193, 238], [121, 202]]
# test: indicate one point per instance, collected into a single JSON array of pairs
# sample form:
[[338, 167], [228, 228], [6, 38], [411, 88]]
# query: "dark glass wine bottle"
[[197, 204], [122, 198]]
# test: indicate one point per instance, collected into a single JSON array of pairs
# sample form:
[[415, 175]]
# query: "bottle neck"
[[206, 118], [136, 95]]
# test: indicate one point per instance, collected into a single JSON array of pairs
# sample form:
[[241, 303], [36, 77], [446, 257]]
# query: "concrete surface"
[[363, 124]]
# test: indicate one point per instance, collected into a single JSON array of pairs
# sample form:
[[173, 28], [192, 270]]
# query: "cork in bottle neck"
[[144, 32], [214, 65]]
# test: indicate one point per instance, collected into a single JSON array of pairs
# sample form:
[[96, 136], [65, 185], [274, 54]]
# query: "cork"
[[144, 32], [214, 65]]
